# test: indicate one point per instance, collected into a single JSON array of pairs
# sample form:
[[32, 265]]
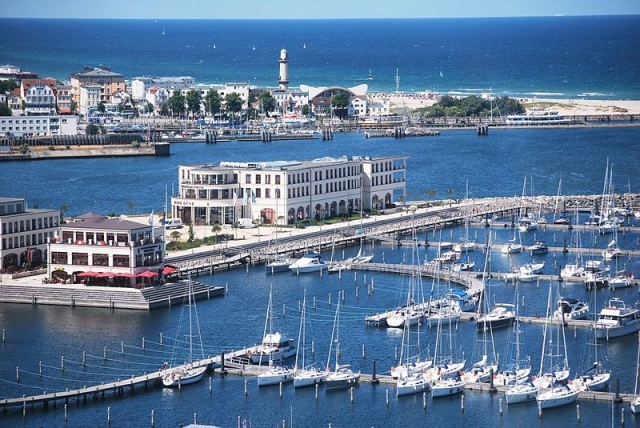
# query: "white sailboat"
[[274, 346], [276, 373], [553, 393], [177, 376], [342, 377], [304, 374], [519, 390], [635, 403], [465, 245]]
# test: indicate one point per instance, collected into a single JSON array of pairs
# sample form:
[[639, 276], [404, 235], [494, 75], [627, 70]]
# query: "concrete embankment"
[[158, 149]]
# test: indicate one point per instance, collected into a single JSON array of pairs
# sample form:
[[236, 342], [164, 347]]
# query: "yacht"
[[502, 315], [538, 247], [273, 348], [616, 320], [511, 247], [571, 309], [308, 263]]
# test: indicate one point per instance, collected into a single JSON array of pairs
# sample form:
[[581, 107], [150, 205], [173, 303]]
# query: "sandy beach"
[[563, 106]]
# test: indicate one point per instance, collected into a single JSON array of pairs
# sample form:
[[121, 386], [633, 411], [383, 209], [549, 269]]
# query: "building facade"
[[106, 251], [285, 192], [141, 85], [46, 126], [24, 233], [108, 81]]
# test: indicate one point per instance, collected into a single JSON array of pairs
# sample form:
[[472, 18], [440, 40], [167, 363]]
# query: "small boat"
[[530, 271], [343, 377], [502, 315], [511, 247], [596, 280], [635, 402], [275, 375], [464, 266], [612, 251], [538, 247], [571, 309], [304, 373], [621, 280], [311, 262], [179, 376], [414, 383], [446, 257], [461, 298], [527, 224], [411, 314], [279, 263], [557, 396], [447, 387], [616, 320], [562, 220]]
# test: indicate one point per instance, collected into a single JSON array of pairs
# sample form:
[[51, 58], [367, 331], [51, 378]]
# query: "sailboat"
[[176, 376], [482, 370], [272, 350], [529, 222], [411, 370], [274, 346], [635, 403], [280, 262], [553, 393], [342, 376], [304, 374], [594, 378], [520, 390], [465, 245]]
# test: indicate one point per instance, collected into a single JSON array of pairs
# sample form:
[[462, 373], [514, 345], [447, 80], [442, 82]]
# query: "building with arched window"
[[285, 192]]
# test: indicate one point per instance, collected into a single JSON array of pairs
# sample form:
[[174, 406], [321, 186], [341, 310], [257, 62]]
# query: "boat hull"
[[183, 377], [275, 377], [341, 380], [556, 397], [413, 385], [447, 388], [521, 393], [306, 378]]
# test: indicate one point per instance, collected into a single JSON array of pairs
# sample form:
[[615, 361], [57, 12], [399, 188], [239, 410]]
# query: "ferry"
[[616, 320], [537, 116]]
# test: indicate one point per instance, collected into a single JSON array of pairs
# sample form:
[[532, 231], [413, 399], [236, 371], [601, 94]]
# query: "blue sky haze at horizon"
[[327, 9]]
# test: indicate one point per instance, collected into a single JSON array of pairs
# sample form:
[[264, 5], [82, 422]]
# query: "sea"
[[595, 57], [44, 347]]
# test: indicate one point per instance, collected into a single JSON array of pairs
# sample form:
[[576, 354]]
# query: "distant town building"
[[140, 86], [285, 192], [63, 99], [112, 250], [39, 96], [24, 233], [12, 72], [108, 81]]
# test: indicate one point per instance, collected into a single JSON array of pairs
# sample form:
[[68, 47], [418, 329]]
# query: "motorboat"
[[571, 309], [596, 280], [464, 266], [562, 221], [274, 347], [616, 320], [527, 224], [573, 272], [446, 257], [311, 262], [538, 247], [461, 298], [275, 375], [532, 267], [502, 315]]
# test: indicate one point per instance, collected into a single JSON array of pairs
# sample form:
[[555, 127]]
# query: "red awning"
[[87, 273], [168, 270], [126, 275], [105, 275], [147, 274]]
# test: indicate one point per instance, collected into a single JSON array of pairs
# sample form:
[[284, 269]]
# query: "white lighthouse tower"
[[283, 79]]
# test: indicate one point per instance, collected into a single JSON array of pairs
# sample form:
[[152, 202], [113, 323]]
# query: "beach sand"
[[565, 107]]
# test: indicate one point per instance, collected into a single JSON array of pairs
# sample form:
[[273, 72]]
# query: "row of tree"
[[472, 106]]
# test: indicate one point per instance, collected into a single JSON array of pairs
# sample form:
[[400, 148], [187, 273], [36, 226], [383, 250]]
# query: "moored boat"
[[308, 263], [502, 315], [538, 247], [275, 375], [571, 309], [616, 319]]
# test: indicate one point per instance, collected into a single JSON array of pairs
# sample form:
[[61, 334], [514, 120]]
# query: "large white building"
[[285, 192], [141, 85], [46, 126], [24, 233]]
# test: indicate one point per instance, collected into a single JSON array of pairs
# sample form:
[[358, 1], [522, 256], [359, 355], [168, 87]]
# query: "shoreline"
[[564, 106]]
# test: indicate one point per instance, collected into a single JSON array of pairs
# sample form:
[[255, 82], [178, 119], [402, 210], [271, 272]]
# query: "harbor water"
[[54, 348]]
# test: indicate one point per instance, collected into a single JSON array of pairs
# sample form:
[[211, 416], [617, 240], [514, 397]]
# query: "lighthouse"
[[283, 79]]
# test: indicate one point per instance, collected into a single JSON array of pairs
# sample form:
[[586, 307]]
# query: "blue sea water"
[[594, 57]]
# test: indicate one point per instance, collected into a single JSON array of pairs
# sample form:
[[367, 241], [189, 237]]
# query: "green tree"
[[176, 103], [7, 86], [340, 102], [101, 107], [191, 233], [130, 205], [193, 99], [148, 108], [92, 129], [233, 103], [306, 110], [212, 102], [5, 110], [215, 229], [63, 211], [175, 235], [267, 102], [74, 107]]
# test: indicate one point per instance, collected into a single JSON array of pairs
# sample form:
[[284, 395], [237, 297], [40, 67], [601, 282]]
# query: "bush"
[[135, 144]]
